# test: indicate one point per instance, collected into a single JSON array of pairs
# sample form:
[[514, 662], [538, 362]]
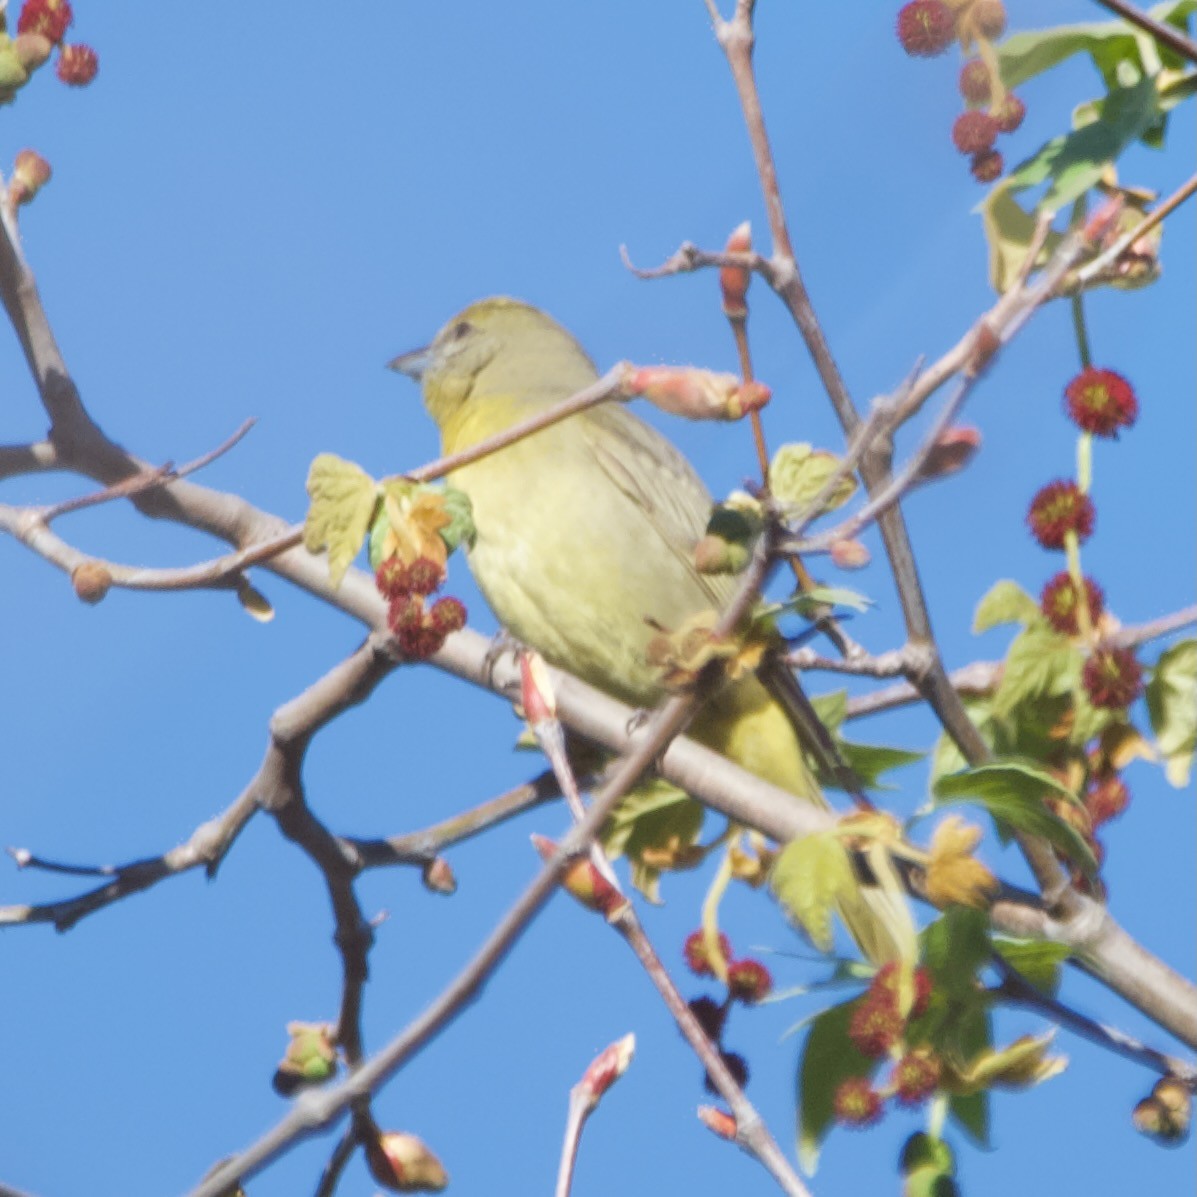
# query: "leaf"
[[870, 761], [1019, 1065], [255, 603], [955, 947], [1074, 162], [809, 603], [1172, 707], [1009, 230], [867, 761], [343, 497], [799, 472], [1006, 602], [656, 827], [954, 875], [974, 1034], [811, 876], [828, 1059], [460, 529], [1013, 791], [947, 757], [1039, 661], [1110, 44], [1036, 960]]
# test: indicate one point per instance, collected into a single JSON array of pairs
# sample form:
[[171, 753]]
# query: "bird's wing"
[[651, 472]]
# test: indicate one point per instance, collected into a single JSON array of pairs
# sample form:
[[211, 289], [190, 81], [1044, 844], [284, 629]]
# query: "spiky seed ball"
[[695, 951], [926, 28], [974, 132], [1059, 508], [1009, 113], [406, 611], [875, 1027], [989, 18], [884, 987], [987, 166], [749, 981], [391, 578], [1112, 678], [711, 1016], [424, 575], [1059, 603], [420, 643], [916, 1076], [448, 615], [1106, 799], [974, 82], [1101, 402], [77, 65], [49, 18], [736, 1065], [857, 1103]]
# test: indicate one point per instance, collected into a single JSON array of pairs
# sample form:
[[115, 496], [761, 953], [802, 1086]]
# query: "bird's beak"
[[412, 364]]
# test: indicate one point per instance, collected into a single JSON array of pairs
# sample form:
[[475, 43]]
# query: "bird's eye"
[[461, 328]]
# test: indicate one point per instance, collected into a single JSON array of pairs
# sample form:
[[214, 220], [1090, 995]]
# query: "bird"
[[586, 530]]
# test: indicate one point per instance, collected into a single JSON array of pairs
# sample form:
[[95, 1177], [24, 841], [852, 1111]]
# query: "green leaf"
[[947, 757], [870, 761], [955, 947], [657, 819], [832, 708], [343, 497], [1006, 602], [799, 472], [809, 603], [460, 529], [1172, 707], [1110, 44], [1074, 162], [1012, 791], [1038, 960], [829, 1058], [973, 1035], [1039, 661], [809, 878]]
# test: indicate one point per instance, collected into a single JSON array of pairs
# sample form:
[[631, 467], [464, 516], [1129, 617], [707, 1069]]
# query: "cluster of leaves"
[[1144, 81], [411, 529], [932, 1023]]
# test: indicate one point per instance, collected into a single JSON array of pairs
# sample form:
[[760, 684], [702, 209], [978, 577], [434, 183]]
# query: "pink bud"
[[734, 280], [694, 393], [581, 879], [536, 690], [952, 451], [718, 1121], [606, 1068], [850, 554]]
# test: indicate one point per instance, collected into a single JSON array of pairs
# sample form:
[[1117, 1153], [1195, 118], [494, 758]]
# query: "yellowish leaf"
[[343, 497], [954, 875], [1019, 1065]]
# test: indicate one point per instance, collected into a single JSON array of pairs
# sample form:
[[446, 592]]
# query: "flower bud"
[[581, 879], [403, 1163], [734, 280], [310, 1059], [91, 581]]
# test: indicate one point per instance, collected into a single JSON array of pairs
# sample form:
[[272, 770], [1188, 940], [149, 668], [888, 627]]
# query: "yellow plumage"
[[586, 529]]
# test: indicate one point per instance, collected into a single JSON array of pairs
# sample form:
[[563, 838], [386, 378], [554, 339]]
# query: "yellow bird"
[[586, 531]]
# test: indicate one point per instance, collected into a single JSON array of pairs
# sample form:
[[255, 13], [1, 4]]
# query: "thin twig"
[[1017, 989], [146, 480]]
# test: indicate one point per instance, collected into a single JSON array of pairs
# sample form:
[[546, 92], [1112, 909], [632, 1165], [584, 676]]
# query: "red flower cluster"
[[420, 630], [77, 65], [47, 18]]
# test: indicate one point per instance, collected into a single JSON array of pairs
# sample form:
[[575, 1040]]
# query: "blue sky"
[[250, 215]]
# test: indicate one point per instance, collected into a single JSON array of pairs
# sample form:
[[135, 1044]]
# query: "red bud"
[[734, 280], [720, 1122]]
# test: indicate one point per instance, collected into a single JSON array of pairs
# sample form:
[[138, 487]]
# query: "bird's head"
[[497, 346]]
